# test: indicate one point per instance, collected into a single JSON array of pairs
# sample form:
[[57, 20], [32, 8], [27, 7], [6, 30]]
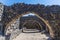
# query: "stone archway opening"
[[32, 26], [49, 28], [29, 24]]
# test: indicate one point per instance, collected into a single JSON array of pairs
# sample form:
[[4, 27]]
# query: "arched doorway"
[[35, 24], [42, 19], [32, 26]]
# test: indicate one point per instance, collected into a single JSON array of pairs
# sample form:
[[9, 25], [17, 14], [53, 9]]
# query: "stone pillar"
[[1, 28], [1, 12]]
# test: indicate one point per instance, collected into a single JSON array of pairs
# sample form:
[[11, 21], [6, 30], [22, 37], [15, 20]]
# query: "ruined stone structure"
[[1, 13], [49, 15], [32, 22]]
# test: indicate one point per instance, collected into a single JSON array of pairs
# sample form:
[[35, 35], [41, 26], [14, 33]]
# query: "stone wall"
[[49, 13], [1, 11]]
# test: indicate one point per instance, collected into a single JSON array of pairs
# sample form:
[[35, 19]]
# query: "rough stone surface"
[[31, 36], [2, 38]]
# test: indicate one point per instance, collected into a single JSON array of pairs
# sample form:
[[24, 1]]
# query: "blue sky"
[[45, 2], [28, 14]]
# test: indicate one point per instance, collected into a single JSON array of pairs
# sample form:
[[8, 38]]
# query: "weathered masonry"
[[1, 13], [49, 15]]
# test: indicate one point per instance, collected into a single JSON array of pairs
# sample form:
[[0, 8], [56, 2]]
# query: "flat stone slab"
[[30, 30]]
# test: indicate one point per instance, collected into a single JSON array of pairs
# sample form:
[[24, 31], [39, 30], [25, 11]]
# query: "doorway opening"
[[31, 23]]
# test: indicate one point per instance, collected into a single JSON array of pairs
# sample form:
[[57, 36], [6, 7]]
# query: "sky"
[[28, 14], [45, 2]]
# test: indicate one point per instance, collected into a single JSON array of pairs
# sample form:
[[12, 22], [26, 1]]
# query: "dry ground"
[[31, 36]]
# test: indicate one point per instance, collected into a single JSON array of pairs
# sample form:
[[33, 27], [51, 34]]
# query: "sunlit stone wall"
[[1, 13], [1, 10], [13, 27]]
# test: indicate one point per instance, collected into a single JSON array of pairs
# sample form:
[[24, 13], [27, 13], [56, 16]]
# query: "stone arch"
[[51, 31], [37, 24]]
